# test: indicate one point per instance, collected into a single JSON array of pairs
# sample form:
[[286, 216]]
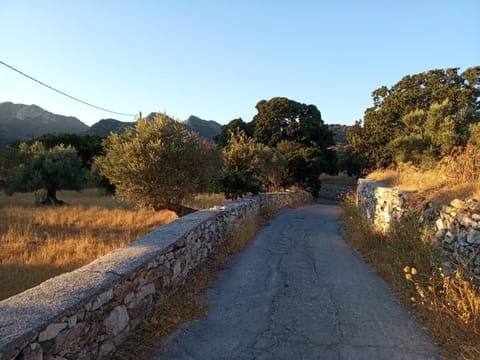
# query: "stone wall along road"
[[299, 292]]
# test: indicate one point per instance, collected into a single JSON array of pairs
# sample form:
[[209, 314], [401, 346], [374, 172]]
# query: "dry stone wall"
[[380, 204], [458, 234], [87, 313], [456, 226]]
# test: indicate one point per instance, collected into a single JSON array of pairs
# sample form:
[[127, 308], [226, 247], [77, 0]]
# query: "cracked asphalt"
[[299, 292]]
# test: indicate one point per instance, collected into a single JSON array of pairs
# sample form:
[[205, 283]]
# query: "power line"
[[63, 93]]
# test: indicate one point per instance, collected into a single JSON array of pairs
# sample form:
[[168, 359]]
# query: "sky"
[[217, 59]]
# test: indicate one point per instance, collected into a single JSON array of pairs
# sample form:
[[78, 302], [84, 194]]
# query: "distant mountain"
[[104, 127], [20, 122], [206, 128]]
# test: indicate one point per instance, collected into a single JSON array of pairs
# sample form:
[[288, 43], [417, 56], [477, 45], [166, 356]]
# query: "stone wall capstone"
[[87, 313]]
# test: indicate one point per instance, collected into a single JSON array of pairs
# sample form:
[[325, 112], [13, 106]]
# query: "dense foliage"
[[87, 146], [249, 167], [159, 164], [58, 168], [296, 137], [418, 119]]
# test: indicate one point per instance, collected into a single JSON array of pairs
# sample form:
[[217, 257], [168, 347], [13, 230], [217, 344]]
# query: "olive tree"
[[159, 164], [58, 168]]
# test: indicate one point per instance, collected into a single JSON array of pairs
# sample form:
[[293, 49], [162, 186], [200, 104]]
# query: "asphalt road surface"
[[299, 292]]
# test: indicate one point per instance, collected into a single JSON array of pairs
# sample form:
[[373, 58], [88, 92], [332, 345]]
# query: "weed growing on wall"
[[448, 306]]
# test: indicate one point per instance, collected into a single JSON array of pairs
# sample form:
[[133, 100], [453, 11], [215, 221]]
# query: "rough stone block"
[[102, 299], [116, 321], [473, 237], [457, 203], [32, 352], [51, 331]]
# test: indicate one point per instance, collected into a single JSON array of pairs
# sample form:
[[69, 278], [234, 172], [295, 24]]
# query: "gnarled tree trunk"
[[51, 198]]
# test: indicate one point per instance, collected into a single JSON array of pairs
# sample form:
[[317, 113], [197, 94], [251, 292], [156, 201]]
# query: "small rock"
[[51, 331], [106, 349], [465, 220], [448, 237], [457, 203], [440, 224], [473, 237], [474, 205], [33, 352]]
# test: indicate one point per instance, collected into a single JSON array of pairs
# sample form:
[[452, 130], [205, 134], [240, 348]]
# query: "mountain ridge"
[[20, 122]]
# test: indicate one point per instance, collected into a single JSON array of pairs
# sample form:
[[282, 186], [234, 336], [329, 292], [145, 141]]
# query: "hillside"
[[206, 128], [106, 126], [19, 122]]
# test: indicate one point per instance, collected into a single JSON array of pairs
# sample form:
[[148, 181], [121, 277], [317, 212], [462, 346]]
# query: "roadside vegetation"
[[422, 134], [448, 307]]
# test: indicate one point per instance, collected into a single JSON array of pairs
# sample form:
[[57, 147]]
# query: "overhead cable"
[[63, 93]]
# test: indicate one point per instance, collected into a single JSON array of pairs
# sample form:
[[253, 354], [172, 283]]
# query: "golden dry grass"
[[439, 185], [37, 243]]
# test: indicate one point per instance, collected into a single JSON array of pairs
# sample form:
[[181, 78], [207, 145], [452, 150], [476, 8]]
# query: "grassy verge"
[[447, 306], [37, 243], [186, 302]]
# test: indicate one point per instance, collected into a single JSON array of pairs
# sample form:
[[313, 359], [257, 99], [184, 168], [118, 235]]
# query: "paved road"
[[299, 292]]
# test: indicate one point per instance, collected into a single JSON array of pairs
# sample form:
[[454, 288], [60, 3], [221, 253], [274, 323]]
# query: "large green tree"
[[233, 128], [87, 146], [250, 167], [159, 164], [10, 157], [297, 131], [405, 116], [58, 168]]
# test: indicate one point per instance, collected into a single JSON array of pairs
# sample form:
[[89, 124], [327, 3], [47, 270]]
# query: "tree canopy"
[[87, 146], [297, 131], [249, 167], [58, 168], [419, 118], [159, 164]]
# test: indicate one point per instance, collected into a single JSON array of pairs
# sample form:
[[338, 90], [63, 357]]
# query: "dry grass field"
[[37, 243], [454, 177]]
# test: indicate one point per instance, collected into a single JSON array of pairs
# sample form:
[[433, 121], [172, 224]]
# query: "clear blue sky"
[[217, 59]]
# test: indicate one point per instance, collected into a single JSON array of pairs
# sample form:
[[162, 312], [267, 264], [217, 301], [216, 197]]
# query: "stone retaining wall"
[[380, 204], [458, 234], [86, 313], [456, 226]]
